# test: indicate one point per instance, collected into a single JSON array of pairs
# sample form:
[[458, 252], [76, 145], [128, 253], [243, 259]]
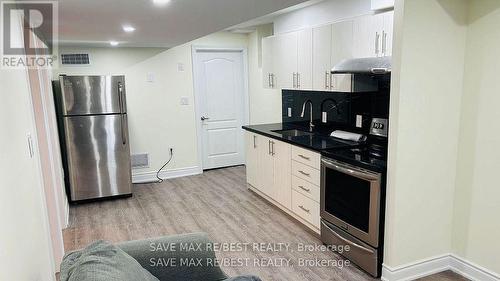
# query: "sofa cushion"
[[244, 278], [102, 261]]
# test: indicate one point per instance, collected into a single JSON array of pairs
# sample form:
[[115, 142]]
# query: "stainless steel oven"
[[350, 211]]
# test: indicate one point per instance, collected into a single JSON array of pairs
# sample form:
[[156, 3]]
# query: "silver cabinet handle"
[[203, 118], [254, 141], [347, 241], [304, 173], [326, 79], [272, 80], [304, 209], [294, 84], [332, 77], [272, 148], [377, 36], [298, 80], [30, 146], [269, 79], [384, 43], [305, 189], [304, 157]]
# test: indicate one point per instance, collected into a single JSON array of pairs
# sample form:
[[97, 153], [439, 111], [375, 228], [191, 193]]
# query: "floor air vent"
[[75, 59], [140, 161]]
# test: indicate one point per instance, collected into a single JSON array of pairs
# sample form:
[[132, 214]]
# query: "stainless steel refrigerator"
[[96, 149]]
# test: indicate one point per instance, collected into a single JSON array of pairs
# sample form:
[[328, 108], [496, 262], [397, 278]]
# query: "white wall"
[[25, 247], [157, 121], [477, 206], [324, 12], [425, 110]]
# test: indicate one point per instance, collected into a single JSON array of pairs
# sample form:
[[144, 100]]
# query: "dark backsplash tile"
[[342, 108]]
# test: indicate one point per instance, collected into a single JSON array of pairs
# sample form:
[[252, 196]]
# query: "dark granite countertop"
[[314, 141]]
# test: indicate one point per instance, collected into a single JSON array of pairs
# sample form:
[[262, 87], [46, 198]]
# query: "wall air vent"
[[140, 161], [75, 59]]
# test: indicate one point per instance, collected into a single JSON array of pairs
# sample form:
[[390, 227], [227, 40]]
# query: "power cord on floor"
[[160, 180]]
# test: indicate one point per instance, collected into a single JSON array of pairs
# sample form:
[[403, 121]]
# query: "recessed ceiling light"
[[113, 43], [128, 28], [160, 2]]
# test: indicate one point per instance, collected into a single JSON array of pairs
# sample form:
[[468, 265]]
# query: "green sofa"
[[188, 257]]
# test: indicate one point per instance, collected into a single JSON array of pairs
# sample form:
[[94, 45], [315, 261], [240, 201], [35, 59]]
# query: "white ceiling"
[[96, 22]]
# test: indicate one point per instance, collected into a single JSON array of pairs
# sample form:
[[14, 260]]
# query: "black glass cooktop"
[[368, 156]]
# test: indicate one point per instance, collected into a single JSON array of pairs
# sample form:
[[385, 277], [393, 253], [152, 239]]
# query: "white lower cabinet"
[[265, 169], [252, 141], [270, 171], [269, 167], [282, 168], [306, 208]]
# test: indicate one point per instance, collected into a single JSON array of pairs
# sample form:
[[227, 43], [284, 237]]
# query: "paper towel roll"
[[347, 136]]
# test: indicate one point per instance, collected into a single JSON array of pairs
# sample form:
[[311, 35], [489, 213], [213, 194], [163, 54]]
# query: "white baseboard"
[[168, 174], [438, 264], [416, 270], [472, 270], [66, 213]]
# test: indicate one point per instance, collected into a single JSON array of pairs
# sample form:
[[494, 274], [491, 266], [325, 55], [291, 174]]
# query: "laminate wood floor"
[[218, 203]]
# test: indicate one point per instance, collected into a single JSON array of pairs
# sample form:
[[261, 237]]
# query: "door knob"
[[203, 118]]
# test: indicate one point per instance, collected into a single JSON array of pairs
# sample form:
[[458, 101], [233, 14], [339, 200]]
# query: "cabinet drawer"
[[308, 189], [306, 157], [305, 208], [306, 172]]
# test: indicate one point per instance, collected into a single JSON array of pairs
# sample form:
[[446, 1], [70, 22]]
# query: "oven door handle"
[[348, 170], [347, 241]]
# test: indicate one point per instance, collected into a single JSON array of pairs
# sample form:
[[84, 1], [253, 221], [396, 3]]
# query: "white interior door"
[[220, 89]]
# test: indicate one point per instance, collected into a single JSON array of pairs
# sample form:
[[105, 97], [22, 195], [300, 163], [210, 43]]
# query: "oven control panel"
[[379, 127]]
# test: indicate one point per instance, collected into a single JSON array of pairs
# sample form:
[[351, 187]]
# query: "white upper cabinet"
[[367, 34], [322, 57], [286, 60], [293, 64], [342, 41], [382, 4], [387, 33], [268, 73], [304, 75], [303, 59], [373, 35]]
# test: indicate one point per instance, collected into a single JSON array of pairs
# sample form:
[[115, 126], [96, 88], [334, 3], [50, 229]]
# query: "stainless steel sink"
[[293, 133]]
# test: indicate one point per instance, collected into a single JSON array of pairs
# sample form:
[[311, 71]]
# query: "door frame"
[[246, 115]]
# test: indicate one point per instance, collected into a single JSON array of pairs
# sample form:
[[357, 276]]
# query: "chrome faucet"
[[311, 124]]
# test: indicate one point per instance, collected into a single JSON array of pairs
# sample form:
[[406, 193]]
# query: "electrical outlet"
[[184, 101], [150, 77], [180, 67], [359, 121]]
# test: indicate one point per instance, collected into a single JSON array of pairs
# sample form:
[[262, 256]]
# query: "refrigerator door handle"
[[123, 121], [120, 96], [122, 115]]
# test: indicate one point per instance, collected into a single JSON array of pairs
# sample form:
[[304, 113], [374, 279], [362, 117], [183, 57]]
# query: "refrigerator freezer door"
[[98, 156], [89, 95]]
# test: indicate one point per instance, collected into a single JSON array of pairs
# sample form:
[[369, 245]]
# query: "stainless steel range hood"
[[380, 65], [359, 75]]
